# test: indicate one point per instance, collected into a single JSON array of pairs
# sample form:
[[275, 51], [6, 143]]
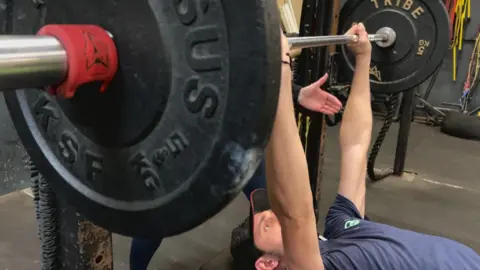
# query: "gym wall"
[[445, 90]]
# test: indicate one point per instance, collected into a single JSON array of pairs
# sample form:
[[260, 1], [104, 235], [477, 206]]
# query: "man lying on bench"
[[281, 231]]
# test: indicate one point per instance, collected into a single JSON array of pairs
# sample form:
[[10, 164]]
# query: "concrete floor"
[[439, 197]]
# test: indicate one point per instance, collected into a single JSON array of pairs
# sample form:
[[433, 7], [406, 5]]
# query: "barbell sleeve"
[[59, 58], [31, 61]]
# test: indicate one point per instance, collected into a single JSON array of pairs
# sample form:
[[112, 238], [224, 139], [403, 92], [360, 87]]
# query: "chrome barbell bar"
[[385, 37]]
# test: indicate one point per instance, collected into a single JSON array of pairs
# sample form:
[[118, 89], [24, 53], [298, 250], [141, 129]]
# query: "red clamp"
[[91, 56]]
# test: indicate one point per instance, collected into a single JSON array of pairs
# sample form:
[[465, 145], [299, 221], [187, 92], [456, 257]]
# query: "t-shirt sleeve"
[[342, 215], [295, 93]]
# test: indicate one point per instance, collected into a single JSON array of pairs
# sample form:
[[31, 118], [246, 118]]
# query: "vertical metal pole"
[[83, 245], [302, 73], [333, 9], [323, 20], [336, 5], [314, 136], [315, 158], [317, 130], [406, 117]]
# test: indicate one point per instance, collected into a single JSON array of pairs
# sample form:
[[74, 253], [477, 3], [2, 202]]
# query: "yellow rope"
[[476, 55], [462, 13]]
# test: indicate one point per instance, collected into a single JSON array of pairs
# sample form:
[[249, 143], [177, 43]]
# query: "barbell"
[[32, 60], [190, 103], [385, 37]]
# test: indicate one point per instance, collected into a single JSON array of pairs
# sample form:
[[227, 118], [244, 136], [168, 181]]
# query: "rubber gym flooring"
[[439, 197]]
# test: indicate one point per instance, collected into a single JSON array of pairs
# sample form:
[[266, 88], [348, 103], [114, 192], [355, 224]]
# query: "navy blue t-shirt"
[[356, 243]]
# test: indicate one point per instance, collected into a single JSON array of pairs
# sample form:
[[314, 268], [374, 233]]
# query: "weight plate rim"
[[435, 60], [163, 228]]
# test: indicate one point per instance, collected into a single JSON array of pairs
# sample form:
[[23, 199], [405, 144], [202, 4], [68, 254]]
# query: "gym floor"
[[439, 195]]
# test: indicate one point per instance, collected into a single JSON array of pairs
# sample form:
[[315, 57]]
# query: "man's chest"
[[390, 253]]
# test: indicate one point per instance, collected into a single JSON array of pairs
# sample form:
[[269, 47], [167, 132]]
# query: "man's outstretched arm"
[[356, 127], [288, 184]]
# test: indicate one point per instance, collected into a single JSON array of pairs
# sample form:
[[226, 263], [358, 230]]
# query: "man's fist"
[[362, 47]]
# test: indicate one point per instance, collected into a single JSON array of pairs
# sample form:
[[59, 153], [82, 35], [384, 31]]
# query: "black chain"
[[45, 206]]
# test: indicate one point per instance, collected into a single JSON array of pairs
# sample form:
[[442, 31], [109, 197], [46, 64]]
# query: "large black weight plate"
[[181, 128], [422, 29]]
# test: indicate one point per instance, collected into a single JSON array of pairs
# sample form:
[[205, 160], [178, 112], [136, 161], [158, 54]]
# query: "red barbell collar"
[[91, 56]]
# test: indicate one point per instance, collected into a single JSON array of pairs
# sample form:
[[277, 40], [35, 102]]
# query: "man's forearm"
[[289, 190], [356, 125], [355, 134], [287, 172], [287, 181]]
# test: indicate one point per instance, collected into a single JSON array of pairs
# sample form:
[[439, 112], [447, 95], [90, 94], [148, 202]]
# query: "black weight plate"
[[180, 129], [422, 29]]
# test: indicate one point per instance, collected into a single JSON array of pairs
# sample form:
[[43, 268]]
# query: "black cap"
[[259, 201], [242, 246]]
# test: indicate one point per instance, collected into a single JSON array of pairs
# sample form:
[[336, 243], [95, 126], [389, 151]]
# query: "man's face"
[[267, 233]]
